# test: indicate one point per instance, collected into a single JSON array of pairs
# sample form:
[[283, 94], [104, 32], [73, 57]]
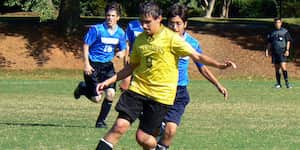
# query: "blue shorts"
[[102, 72], [176, 111]]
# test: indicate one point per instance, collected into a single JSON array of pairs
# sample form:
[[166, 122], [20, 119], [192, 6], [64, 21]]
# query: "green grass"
[[42, 114]]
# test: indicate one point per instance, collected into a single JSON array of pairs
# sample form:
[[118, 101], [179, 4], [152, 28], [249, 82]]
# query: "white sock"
[[109, 144]]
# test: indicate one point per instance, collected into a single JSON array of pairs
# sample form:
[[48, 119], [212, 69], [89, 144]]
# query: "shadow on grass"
[[43, 125]]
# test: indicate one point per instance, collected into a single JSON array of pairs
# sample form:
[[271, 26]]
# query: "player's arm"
[[268, 49], [122, 74], [122, 47], [206, 73], [126, 58], [88, 69], [288, 44], [201, 58]]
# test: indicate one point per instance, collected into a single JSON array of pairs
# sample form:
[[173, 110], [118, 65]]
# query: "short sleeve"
[[180, 47], [288, 37], [128, 33], [199, 50], [122, 42], [91, 36]]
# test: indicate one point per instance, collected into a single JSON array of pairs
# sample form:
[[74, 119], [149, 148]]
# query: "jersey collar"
[[154, 36]]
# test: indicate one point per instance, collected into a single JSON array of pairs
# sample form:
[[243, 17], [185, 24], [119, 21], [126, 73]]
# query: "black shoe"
[[77, 93], [101, 124], [288, 86]]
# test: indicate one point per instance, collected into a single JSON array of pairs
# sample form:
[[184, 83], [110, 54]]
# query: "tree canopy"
[[67, 12]]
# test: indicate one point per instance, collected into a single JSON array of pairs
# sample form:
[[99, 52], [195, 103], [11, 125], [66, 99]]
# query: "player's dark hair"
[[113, 6], [150, 9], [277, 19], [178, 10]]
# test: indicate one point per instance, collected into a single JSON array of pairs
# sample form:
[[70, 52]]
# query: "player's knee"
[[170, 132], [96, 99], [145, 140], [120, 127], [110, 94]]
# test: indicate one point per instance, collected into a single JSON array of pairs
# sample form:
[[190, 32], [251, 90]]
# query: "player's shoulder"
[[134, 24], [168, 33], [283, 29], [190, 39], [120, 30]]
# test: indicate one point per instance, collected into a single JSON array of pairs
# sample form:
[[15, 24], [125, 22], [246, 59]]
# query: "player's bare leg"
[[147, 141], [111, 138]]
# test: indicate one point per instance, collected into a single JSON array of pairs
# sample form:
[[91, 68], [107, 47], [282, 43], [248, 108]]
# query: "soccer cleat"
[[277, 86], [101, 124], [288, 86], [77, 93]]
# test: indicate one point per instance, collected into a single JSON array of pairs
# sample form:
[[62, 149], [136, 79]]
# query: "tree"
[[225, 8], [69, 16], [45, 8], [209, 8]]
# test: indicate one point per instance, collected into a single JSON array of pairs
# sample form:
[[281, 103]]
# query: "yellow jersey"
[[157, 57]]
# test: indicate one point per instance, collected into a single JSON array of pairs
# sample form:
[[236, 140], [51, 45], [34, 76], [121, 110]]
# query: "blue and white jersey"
[[183, 78], [102, 43], [134, 28]]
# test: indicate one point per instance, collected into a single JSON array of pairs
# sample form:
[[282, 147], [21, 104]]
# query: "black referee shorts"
[[132, 105]]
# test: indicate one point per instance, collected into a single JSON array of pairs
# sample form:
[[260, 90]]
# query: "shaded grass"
[[42, 114]]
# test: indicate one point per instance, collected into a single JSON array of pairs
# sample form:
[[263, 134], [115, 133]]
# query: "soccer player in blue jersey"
[[177, 21], [100, 43], [134, 28]]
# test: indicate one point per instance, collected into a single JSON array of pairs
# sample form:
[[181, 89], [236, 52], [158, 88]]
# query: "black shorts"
[[278, 58], [150, 113], [102, 72]]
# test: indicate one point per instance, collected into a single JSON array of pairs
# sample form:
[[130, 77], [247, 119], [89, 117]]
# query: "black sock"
[[105, 108], [285, 75], [278, 77], [161, 147], [103, 146]]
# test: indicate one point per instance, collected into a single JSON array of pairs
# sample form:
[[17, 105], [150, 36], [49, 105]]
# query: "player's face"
[[278, 24], [177, 25], [112, 18], [150, 24]]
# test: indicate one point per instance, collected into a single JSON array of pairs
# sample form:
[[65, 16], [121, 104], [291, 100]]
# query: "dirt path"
[[31, 46]]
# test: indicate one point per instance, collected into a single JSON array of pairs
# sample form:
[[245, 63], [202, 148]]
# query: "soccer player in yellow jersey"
[[154, 66]]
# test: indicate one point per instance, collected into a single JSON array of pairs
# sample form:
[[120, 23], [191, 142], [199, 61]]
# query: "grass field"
[[42, 114]]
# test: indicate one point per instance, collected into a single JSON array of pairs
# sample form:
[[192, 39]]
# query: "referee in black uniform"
[[279, 42]]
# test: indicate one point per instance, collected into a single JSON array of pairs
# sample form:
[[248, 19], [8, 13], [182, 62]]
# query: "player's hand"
[[286, 53], [88, 69], [223, 91], [267, 54], [101, 86], [120, 54], [228, 64]]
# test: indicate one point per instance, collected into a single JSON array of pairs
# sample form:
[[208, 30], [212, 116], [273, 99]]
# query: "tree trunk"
[[225, 8], [210, 8], [68, 17]]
